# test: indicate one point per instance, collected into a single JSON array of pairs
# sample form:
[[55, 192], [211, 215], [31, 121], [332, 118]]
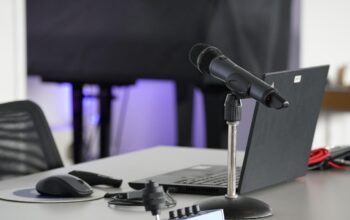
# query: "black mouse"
[[63, 186]]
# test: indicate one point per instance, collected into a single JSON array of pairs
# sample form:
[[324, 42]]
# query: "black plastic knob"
[[188, 211], [153, 197], [180, 213], [172, 215], [196, 209]]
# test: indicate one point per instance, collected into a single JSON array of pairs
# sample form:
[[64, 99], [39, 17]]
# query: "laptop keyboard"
[[217, 178]]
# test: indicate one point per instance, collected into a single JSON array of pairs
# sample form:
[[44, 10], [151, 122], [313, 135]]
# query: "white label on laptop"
[[297, 79], [201, 167]]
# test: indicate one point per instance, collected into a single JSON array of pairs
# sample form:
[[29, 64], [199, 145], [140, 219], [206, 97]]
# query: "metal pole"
[[105, 119], [77, 99], [231, 160]]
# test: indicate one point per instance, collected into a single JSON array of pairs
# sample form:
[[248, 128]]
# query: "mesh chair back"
[[26, 142]]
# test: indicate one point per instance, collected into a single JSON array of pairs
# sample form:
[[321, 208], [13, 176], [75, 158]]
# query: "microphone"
[[210, 60]]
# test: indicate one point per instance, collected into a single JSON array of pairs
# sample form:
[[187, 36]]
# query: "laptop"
[[278, 144]]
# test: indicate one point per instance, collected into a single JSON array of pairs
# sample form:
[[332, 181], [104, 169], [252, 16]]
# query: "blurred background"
[[134, 54]]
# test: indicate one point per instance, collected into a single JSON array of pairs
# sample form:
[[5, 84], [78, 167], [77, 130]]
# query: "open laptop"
[[278, 145]]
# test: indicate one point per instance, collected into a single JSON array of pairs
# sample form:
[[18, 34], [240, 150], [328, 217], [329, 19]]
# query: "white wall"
[[12, 50], [325, 33], [325, 39]]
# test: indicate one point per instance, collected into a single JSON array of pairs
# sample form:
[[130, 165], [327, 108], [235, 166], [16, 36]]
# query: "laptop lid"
[[280, 140]]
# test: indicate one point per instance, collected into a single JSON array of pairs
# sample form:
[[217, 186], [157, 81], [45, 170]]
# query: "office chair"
[[26, 142]]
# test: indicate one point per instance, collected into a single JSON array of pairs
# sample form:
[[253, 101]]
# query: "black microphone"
[[210, 60]]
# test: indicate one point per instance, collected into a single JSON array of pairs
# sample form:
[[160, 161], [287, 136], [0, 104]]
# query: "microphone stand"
[[235, 206]]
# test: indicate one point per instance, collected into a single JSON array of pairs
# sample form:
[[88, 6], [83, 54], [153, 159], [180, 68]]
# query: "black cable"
[[170, 202], [169, 198], [125, 202]]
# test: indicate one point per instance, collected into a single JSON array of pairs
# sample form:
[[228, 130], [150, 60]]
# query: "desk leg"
[[216, 133], [77, 122], [184, 99], [105, 119]]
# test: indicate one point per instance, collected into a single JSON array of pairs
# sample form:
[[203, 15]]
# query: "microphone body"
[[243, 84], [239, 80]]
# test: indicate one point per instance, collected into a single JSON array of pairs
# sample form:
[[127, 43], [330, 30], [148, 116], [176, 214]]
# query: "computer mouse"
[[63, 186]]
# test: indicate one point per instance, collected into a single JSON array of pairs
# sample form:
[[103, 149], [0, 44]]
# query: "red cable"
[[321, 154], [334, 165], [318, 155]]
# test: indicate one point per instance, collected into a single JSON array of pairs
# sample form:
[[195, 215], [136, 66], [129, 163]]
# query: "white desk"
[[319, 195]]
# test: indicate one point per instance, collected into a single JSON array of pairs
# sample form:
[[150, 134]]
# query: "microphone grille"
[[201, 55], [196, 51]]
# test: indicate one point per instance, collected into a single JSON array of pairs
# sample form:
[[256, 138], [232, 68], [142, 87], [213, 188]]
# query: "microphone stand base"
[[237, 208]]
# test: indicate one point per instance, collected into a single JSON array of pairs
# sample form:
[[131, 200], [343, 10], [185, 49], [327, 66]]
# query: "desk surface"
[[317, 196]]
